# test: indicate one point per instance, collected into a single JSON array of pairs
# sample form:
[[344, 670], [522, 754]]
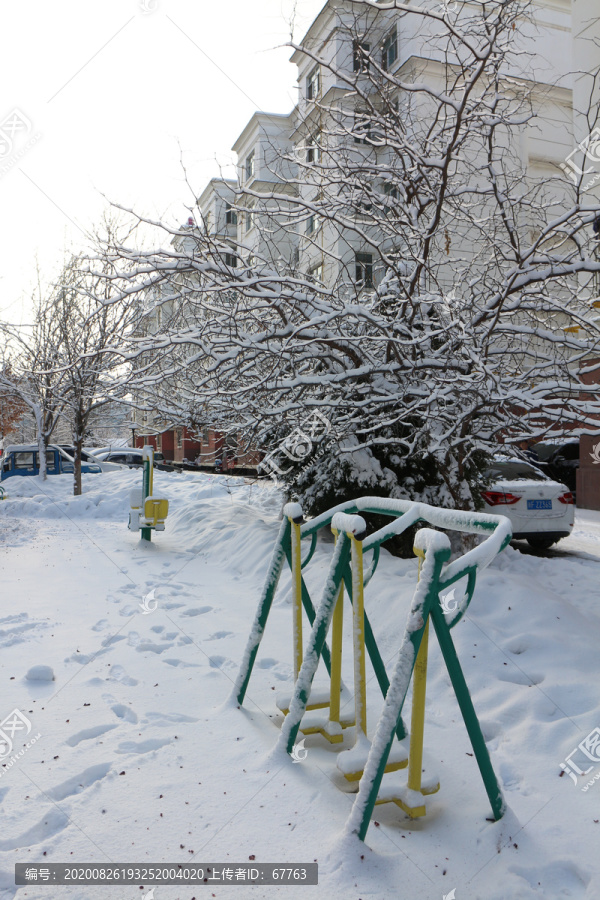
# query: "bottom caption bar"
[[167, 873]]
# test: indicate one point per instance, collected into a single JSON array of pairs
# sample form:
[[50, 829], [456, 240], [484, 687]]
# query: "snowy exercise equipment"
[[375, 763], [147, 512]]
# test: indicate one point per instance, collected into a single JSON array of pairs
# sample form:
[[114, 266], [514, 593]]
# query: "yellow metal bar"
[[415, 757], [337, 628], [296, 597], [358, 614]]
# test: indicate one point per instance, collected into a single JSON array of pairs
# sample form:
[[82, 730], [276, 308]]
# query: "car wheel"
[[540, 543]]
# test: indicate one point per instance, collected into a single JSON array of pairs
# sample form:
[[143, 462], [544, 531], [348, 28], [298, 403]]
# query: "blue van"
[[23, 459]]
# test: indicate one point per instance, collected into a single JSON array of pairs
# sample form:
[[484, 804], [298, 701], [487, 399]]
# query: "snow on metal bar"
[[437, 549], [350, 524], [291, 724], [293, 511], [262, 613]]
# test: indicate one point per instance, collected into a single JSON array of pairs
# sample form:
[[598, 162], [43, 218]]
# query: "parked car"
[[105, 452], [542, 511], [23, 459], [89, 458], [559, 459], [564, 462], [133, 457]]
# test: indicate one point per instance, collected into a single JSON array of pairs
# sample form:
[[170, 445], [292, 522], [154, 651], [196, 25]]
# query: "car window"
[[543, 451], [513, 470], [117, 457], [569, 451], [25, 459]]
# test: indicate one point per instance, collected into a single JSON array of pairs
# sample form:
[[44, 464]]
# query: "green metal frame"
[[434, 580], [282, 552], [426, 603]]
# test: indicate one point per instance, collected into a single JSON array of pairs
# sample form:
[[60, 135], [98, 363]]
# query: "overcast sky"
[[103, 98]]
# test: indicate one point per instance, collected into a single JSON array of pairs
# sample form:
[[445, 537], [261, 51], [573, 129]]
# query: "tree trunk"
[[41, 442], [78, 443]]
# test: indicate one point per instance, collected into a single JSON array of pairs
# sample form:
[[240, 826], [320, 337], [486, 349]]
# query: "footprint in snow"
[[220, 662], [152, 648], [267, 663], [51, 824], [165, 720], [199, 611], [125, 713], [119, 674], [143, 746], [78, 783], [180, 664], [87, 734], [113, 639], [510, 779]]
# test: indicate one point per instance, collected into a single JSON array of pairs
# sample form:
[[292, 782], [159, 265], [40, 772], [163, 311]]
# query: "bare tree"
[[93, 328], [68, 363], [37, 367]]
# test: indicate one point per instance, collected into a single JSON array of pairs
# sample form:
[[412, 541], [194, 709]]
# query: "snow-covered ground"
[[143, 758]]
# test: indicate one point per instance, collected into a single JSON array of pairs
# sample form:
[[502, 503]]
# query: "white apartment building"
[[279, 155], [219, 216], [240, 213]]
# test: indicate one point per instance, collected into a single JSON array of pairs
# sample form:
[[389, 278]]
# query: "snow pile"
[[40, 673]]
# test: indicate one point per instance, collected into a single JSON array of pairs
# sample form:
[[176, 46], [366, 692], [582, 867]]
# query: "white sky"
[[106, 95]]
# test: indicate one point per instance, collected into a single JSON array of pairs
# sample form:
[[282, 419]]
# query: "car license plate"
[[539, 504]]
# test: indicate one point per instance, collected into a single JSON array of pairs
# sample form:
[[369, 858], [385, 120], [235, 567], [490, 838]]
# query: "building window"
[[250, 166], [313, 84], [316, 274], [389, 49], [360, 56], [230, 215], [311, 224], [179, 436], [231, 260], [249, 221], [362, 128], [363, 203], [313, 149], [205, 435], [364, 269], [391, 194]]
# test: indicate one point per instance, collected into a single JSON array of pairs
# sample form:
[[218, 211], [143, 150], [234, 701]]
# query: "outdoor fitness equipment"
[[147, 511], [369, 762]]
